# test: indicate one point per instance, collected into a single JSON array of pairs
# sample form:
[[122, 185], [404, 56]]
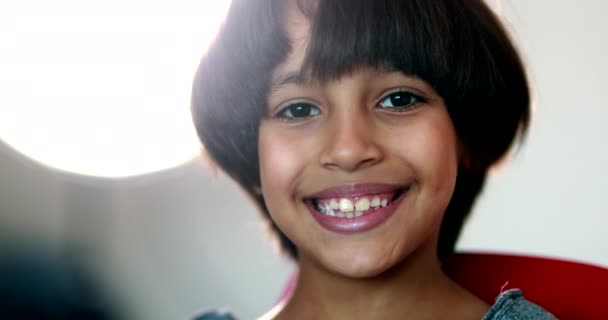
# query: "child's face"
[[363, 138]]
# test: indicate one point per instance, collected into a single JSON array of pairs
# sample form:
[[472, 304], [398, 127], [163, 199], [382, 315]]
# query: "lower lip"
[[363, 223]]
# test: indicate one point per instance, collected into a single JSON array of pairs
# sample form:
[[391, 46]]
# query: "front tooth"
[[362, 204], [340, 214], [384, 202], [349, 214], [333, 203], [328, 210], [346, 205], [375, 202], [358, 213]]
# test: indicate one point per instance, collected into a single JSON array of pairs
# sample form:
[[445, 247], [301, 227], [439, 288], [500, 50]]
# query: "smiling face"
[[356, 171]]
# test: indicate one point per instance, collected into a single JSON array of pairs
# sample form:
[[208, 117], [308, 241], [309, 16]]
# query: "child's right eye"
[[298, 111]]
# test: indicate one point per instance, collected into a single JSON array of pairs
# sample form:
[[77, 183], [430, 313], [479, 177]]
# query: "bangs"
[[408, 36]]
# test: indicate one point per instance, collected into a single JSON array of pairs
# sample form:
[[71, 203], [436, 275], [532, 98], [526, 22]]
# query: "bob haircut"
[[459, 47]]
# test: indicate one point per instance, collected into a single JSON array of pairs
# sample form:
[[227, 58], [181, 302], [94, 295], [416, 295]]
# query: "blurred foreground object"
[[39, 284]]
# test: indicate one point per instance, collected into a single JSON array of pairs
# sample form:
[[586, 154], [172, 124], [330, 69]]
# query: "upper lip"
[[356, 190]]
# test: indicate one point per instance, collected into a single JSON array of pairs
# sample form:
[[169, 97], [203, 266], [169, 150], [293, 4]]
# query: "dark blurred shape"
[[41, 284]]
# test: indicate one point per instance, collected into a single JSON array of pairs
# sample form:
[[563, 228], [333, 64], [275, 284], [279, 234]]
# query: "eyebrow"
[[288, 78]]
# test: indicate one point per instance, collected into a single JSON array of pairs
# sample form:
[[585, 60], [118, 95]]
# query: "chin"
[[360, 265]]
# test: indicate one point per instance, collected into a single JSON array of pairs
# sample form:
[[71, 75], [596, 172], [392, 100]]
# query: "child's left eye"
[[400, 101]]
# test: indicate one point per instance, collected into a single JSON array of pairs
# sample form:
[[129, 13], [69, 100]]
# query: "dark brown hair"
[[459, 47]]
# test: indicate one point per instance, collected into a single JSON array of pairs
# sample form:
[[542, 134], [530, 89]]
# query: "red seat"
[[569, 290]]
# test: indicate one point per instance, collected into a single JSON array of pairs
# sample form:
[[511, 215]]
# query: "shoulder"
[[511, 305], [215, 315]]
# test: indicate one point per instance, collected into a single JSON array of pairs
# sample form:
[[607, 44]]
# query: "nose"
[[350, 144]]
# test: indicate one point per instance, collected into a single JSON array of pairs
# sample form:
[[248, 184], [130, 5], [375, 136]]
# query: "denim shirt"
[[510, 305]]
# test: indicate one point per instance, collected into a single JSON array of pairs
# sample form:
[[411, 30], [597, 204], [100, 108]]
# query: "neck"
[[414, 289]]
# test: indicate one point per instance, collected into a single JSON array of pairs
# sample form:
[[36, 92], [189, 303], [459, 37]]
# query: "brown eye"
[[400, 101], [298, 111]]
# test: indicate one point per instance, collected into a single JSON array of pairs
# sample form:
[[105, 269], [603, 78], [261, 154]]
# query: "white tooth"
[[384, 202], [350, 214], [362, 204], [327, 210], [375, 202], [341, 214], [333, 203], [331, 212], [346, 205], [358, 213]]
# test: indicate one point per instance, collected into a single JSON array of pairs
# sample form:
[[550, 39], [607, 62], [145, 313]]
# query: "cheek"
[[274, 161], [440, 161], [282, 160], [431, 149]]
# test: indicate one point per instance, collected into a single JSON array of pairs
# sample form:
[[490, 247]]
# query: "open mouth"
[[353, 207]]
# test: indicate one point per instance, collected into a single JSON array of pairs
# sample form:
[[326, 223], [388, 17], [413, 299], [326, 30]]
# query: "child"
[[364, 131]]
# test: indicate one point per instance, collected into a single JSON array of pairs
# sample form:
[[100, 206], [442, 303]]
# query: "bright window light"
[[103, 87]]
